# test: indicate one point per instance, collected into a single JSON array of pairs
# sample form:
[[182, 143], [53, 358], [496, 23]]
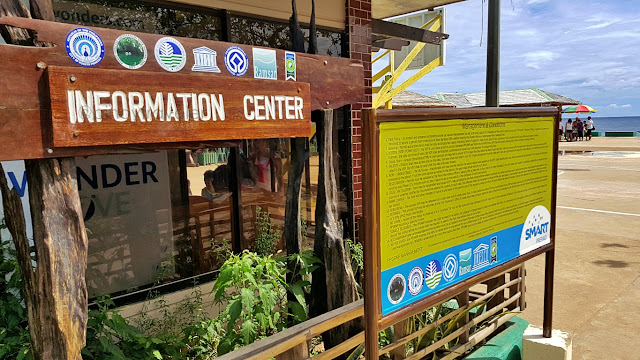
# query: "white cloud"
[[533, 2], [616, 106]]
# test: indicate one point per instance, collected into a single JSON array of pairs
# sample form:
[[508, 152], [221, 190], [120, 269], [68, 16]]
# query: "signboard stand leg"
[[548, 294]]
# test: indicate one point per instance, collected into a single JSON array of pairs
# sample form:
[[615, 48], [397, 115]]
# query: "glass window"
[[140, 17], [276, 35]]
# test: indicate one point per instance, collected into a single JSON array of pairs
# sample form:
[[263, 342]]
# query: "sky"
[[585, 49]]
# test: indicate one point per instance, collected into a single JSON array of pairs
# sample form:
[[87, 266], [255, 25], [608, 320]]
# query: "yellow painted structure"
[[385, 93]]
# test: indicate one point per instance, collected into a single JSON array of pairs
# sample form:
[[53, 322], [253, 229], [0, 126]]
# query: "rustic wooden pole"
[[55, 290], [333, 283]]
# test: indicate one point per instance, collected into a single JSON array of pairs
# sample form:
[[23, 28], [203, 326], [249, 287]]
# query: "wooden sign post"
[[455, 198]]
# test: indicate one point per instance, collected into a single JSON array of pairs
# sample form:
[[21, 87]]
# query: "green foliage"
[[356, 254], [254, 289], [110, 336], [14, 333], [267, 234]]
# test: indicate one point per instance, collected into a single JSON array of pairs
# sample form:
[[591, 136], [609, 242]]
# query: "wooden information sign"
[[109, 107], [109, 66], [455, 198]]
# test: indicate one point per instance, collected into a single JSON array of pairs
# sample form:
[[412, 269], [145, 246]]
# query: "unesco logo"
[[236, 61], [84, 47]]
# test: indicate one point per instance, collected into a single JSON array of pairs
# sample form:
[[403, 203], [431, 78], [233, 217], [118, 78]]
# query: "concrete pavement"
[[597, 275]]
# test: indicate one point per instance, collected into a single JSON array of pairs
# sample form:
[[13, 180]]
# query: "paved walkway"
[[597, 278]]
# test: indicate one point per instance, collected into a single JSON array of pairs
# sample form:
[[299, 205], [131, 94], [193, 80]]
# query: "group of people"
[[576, 130]]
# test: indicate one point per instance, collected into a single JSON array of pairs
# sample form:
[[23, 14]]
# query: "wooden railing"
[[500, 298]]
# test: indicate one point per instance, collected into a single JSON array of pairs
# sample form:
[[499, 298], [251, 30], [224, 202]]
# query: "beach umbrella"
[[579, 109]]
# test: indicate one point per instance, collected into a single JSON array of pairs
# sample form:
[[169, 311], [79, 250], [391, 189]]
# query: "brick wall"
[[359, 26]]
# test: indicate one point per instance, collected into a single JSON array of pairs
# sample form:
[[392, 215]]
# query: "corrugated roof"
[[520, 97], [411, 99]]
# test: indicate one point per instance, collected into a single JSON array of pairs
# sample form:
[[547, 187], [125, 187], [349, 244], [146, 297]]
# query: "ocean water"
[[622, 123]]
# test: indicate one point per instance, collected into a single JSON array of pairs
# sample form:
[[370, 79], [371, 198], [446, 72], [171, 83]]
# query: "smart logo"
[[84, 47], [450, 267], [465, 261], [105, 176], [535, 232]]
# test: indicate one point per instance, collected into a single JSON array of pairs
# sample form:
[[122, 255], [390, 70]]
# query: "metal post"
[[548, 294], [493, 54]]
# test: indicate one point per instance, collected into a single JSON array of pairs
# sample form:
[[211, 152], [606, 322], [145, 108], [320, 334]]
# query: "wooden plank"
[[340, 349], [334, 81], [405, 32], [194, 98], [478, 336], [287, 339]]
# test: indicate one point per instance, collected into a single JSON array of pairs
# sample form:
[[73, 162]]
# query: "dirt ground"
[[597, 271]]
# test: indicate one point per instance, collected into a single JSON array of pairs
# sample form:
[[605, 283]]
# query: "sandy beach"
[[597, 272]]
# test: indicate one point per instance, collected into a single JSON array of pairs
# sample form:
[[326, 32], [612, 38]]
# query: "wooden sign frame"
[[25, 104], [373, 118]]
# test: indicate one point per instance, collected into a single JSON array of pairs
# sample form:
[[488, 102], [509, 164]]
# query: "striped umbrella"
[[579, 109]]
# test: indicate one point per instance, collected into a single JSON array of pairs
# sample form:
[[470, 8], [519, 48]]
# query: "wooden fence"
[[481, 310]]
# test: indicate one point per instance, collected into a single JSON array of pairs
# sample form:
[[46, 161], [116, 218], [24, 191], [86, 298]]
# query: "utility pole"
[[493, 54]]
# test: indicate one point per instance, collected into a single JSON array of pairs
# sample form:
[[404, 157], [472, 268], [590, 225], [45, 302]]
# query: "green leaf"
[[267, 296], [298, 311], [235, 309], [297, 290], [157, 354], [248, 299], [248, 331]]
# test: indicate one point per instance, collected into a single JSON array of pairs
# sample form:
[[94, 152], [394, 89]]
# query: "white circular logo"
[[450, 267], [130, 51], [536, 230], [84, 47], [396, 289], [415, 281], [236, 61], [170, 54]]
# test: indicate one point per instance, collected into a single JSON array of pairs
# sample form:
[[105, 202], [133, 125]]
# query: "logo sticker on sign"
[[264, 64], [205, 60], [130, 51], [84, 47], [236, 61], [290, 65], [170, 54]]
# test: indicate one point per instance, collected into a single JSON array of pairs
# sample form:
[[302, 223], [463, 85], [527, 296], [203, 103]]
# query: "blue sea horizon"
[[609, 123]]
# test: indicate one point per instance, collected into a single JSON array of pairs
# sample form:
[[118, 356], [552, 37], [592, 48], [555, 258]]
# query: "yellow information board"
[[458, 197]]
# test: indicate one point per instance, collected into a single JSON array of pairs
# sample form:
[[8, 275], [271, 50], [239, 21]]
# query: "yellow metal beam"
[[381, 73], [380, 56], [433, 25], [405, 84]]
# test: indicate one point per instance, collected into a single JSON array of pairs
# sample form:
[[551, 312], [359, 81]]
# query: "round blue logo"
[[450, 267], [170, 54], [236, 61], [84, 47]]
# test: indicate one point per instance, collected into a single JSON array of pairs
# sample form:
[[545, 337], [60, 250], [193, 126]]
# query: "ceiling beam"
[[390, 30]]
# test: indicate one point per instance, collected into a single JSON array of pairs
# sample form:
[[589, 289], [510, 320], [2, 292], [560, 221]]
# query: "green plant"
[[356, 255], [14, 333], [255, 291], [110, 336], [267, 234]]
